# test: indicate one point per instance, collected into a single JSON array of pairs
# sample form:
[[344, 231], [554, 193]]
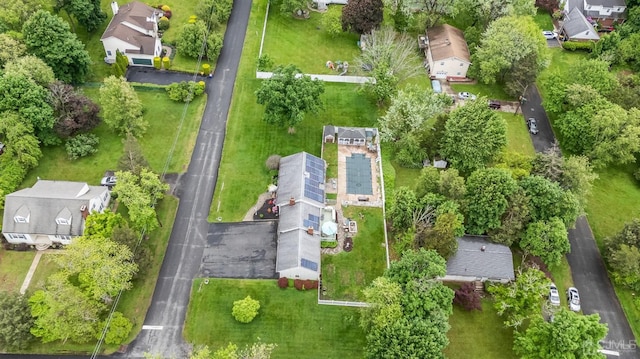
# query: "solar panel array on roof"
[[314, 176], [309, 264], [313, 221]]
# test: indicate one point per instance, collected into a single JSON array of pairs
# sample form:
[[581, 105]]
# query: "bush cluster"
[[283, 282], [245, 310], [328, 244], [13, 174], [305, 284], [467, 297], [578, 46], [82, 145], [185, 91], [163, 23], [119, 68]]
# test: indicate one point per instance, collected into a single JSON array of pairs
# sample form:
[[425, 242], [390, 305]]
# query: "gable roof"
[[351, 132], [134, 13], [296, 247], [446, 41], [577, 26], [302, 177], [607, 3], [494, 262], [46, 201]]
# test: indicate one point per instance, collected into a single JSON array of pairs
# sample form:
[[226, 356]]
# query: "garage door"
[[142, 61]]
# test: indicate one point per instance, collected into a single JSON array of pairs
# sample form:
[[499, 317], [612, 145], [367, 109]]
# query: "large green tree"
[[46, 35], [64, 312], [433, 10], [288, 95], [569, 335], [10, 48], [514, 219], [362, 16], [139, 194], [506, 42], [121, 107], [487, 197], [22, 144], [520, 299], [385, 304], [547, 240], [102, 266], [485, 12], [103, 224], [15, 321], [547, 200], [474, 135], [31, 67], [74, 112], [623, 254], [88, 12], [14, 13]]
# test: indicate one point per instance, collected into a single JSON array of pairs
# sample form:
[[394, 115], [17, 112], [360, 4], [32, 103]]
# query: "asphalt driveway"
[[163, 324], [587, 268], [240, 250], [159, 77]]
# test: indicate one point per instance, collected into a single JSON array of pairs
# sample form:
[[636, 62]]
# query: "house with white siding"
[[447, 53]]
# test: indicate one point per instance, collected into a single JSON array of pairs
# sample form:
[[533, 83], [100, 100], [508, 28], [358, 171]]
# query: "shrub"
[[332, 21], [163, 23], [165, 8], [121, 64], [191, 21], [166, 63], [206, 69], [214, 45], [283, 282], [193, 17], [185, 91], [157, 62], [265, 63], [578, 46], [310, 284], [82, 145], [273, 162], [467, 297], [299, 284], [328, 244], [168, 14], [245, 310], [291, 282]]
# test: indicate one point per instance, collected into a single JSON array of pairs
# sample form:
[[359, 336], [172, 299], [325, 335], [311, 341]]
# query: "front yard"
[[291, 319]]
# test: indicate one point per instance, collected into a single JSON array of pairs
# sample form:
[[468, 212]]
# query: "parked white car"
[[549, 35], [554, 296], [466, 96], [574, 299]]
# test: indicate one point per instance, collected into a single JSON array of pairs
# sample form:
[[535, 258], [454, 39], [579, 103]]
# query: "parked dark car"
[[494, 105]]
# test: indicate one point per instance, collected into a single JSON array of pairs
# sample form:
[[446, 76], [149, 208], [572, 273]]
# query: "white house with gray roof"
[[577, 28], [300, 198], [133, 31], [51, 212], [480, 260]]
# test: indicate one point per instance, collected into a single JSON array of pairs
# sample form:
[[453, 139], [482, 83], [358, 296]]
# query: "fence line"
[[343, 303], [384, 213], [326, 78]]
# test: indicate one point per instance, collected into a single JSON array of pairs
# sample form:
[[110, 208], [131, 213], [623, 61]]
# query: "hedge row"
[[578, 46], [299, 284], [13, 173]]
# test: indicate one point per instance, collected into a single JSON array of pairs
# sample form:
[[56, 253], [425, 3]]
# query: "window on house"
[[20, 219], [108, 52], [442, 63], [67, 238], [461, 64], [63, 221], [17, 236]]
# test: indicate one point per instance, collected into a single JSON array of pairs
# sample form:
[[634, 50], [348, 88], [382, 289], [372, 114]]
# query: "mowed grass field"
[[346, 274], [289, 318], [518, 138]]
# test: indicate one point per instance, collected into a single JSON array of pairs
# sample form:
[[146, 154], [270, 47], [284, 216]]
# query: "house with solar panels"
[[301, 200]]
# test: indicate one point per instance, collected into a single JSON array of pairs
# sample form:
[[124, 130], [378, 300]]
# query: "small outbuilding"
[[480, 260]]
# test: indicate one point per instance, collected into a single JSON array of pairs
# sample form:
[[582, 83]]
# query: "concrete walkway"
[[32, 270]]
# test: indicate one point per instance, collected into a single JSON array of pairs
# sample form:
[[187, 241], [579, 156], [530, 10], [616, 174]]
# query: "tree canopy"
[[623, 253], [289, 95], [547, 240], [362, 16], [139, 194], [74, 112], [122, 109], [87, 12], [15, 321], [487, 197], [474, 135], [45, 35]]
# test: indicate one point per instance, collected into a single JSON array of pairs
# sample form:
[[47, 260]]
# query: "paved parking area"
[[240, 250]]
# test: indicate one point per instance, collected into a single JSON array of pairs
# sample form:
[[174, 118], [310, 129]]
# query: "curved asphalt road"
[[184, 253], [587, 268]]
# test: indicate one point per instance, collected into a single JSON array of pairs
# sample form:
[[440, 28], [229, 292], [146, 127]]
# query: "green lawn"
[[562, 277], [405, 177], [163, 116], [561, 62], [330, 155], [543, 20], [289, 318], [347, 273], [303, 43], [14, 266], [494, 91], [518, 139], [250, 140], [45, 268], [479, 335]]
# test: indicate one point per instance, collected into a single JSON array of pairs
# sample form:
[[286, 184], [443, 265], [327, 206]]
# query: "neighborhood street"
[[587, 268], [163, 325]]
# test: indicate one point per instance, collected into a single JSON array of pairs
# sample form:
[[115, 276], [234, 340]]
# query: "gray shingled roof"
[[328, 130], [294, 243], [351, 132], [607, 3], [291, 179], [135, 13], [46, 201], [576, 26], [495, 262]]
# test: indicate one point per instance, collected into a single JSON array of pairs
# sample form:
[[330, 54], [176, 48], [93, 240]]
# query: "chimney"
[[483, 248], [292, 201], [84, 211], [114, 7], [310, 230]]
